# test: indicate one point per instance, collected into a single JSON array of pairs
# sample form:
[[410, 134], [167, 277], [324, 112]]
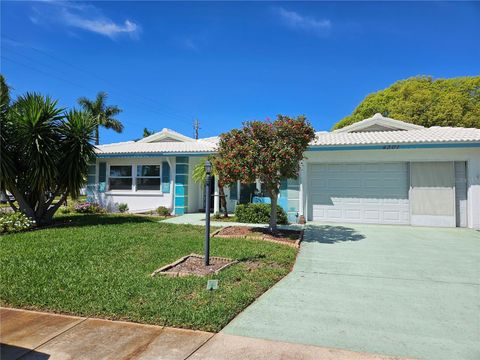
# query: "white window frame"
[[121, 177], [159, 191]]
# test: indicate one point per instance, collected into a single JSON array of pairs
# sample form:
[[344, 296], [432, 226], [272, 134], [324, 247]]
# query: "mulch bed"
[[193, 264], [282, 236]]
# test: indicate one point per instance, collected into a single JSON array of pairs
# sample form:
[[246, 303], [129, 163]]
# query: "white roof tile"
[[133, 147], [434, 134], [425, 135]]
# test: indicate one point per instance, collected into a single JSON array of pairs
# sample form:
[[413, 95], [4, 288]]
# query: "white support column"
[[216, 198], [258, 185], [171, 163], [473, 196], [301, 178]]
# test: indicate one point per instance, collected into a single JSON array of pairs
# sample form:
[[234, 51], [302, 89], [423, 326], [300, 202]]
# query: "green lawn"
[[100, 266]]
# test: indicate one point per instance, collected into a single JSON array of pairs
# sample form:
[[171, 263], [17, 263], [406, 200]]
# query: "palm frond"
[[77, 151], [103, 114], [113, 124]]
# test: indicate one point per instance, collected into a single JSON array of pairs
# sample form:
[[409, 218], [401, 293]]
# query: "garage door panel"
[[369, 193]]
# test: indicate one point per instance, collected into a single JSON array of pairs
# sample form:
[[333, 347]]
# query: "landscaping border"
[[295, 244], [163, 269]]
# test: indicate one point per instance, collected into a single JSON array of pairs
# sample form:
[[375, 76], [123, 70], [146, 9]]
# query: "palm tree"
[[102, 113], [6, 165], [147, 132], [47, 154], [199, 175]]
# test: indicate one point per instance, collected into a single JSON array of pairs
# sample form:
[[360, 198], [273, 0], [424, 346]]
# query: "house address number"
[[391, 147]]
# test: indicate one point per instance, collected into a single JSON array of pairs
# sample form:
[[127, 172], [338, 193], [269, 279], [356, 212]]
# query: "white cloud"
[[83, 16], [189, 44], [300, 22]]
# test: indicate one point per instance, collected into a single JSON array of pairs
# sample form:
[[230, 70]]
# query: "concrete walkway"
[[394, 290], [41, 336], [199, 219]]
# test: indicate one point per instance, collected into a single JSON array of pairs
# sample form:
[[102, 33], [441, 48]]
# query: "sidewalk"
[[41, 336], [199, 219]]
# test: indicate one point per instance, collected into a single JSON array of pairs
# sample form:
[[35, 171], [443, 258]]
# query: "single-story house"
[[378, 171]]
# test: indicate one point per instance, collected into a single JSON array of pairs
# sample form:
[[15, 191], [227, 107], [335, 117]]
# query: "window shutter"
[[102, 176], [165, 177]]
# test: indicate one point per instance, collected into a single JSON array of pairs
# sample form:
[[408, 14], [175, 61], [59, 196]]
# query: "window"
[[120, 177], [148, 177], [91, 179]]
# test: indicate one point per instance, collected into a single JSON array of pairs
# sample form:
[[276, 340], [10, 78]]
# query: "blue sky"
[[224, 63]]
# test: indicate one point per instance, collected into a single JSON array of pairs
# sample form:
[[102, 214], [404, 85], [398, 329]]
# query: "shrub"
[[15, 222], [122, 207], [88, 208], [163, 211], [65, 210], [258, 214]]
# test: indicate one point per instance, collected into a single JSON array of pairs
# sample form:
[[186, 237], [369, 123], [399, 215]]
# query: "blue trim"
[[310, 148], [181, 185], [393, 147], [148, 155]]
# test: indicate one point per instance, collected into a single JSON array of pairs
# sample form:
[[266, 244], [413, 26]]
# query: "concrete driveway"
[[393, 290]]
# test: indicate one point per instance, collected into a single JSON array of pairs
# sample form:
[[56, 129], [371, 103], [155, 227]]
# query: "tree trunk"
[[223, 200], [44, 210], [48, 215], [273, 211], [97, 135]]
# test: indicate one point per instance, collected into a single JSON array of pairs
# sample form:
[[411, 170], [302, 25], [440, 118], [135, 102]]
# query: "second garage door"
[[374, 193]]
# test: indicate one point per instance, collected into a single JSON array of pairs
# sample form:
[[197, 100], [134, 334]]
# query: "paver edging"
[[295, 244], [163, 269]]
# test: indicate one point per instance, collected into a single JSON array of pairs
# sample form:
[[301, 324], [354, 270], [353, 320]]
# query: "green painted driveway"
[[393, 290]]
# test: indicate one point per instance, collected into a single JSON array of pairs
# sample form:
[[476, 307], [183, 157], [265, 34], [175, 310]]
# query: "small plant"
[[65, 210], [217, 215], [88, 208], [258, 214], [122, 207], [163, 211], [15, 222]]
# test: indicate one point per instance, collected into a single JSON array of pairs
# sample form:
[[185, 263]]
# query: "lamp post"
[[208, 171]]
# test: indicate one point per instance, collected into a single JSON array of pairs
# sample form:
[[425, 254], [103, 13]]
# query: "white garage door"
[[374, 193]]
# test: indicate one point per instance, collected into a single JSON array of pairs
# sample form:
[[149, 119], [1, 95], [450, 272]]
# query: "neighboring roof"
[[378, 123], [213, 139], [434, 134], [166, 135]]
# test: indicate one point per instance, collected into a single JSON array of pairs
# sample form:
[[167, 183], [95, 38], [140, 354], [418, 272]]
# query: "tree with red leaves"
[[267, 151]]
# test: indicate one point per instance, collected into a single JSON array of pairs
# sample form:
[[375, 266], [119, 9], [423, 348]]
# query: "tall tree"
[[424, 101], [6, 165], [102, 113], [267, 151], [47, 154], [147, 132], [200, 176]]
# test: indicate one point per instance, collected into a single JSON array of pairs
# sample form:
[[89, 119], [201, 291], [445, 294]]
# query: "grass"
[[100, 266], [230, 218]]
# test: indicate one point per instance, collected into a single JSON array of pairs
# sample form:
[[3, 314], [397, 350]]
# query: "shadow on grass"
[[255, 257], [98, 219], [327, 234]]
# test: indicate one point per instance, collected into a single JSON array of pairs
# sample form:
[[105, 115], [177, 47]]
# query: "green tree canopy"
[[102, 113], [147, 132], [424, 101], [45, 154], [267, 151]]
